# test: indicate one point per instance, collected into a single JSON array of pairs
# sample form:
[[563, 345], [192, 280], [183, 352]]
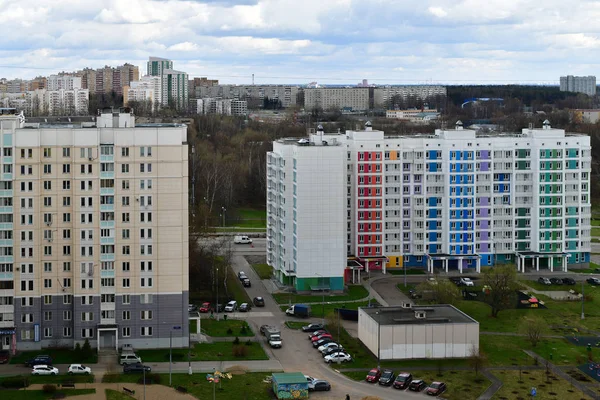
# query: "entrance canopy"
[[446, 258], [535, 256]]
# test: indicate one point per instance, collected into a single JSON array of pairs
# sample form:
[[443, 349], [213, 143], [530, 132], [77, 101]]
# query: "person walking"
[[347, 397]]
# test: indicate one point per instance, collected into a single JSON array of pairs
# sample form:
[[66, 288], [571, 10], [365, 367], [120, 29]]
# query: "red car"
[[317, 333], [373, 375], [205, 307], [323, 336], [436, 388]]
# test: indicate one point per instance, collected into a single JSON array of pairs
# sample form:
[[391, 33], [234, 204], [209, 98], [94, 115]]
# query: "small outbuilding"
[[290, 385], [405, 332]]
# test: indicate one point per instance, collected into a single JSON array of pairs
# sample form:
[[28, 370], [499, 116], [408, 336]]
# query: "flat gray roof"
[[435, 314]]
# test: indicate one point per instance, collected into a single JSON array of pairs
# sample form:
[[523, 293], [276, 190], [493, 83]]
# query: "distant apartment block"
[[365, 98], [578, 84], [94, 221], [424, 115], [221, 106], [586, 116], [49, 102], [66, 82], [107, 79], [286, 94], [147, 89], [174, 84], [454, 200]]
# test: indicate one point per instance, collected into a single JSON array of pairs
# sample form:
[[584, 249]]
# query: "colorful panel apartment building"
[[456, 199]]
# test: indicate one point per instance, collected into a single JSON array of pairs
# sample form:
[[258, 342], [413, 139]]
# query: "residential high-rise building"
[[157, 65], [147, 89], [65, 82], [256, 94], [452, 200], [174, 88], [578, 84], [339, 98], [94, 223]]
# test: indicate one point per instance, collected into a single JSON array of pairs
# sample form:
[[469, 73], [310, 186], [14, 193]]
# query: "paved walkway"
[[558, 371], [153, 392], [493, 388]]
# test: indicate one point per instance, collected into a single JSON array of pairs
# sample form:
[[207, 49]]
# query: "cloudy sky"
[[299, 41]]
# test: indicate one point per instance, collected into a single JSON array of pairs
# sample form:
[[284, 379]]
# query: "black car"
[[332, 349], [244, 307], [593, 281], [403, 380], [246, 282], [556, 281], [456, 281], [136, 368], [414, 294], [417, 385], [219, 308], [568, 281], [320, 386], [321, 342], [39, 360], [259, 302], [312, 327], [387, 377]]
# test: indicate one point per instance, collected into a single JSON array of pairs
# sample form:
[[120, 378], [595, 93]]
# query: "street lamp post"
[[190, 346], [223, 211], [144, 373], [378, 313], [323, 302], [217, 303], [170, 354], [582, 299]]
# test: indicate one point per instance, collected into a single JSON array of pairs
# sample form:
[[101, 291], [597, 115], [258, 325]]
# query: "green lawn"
[[508, 350], [56, 379], [248, 218], [596, 222], [59, 356], [218, 351], [514, 388], [318, 309], [235, 289], [353, 292], [212, 327], [264, 271], [595, 231], [114, 395], [248, 386], [295, 324], [40, 395], [193, 326]]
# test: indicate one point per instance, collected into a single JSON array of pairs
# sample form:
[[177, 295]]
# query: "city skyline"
[[334, 42]]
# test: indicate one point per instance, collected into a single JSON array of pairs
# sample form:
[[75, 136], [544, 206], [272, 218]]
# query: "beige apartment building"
[[93, 233]]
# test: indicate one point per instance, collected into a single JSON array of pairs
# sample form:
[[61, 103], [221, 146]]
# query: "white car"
[[79, 369], [44, 370], [311, 382], [337, 357], [466, 282], [231, 306], [326, 345]]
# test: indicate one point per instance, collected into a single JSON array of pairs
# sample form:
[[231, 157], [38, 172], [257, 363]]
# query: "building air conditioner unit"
[[406, 305], [90, 159]]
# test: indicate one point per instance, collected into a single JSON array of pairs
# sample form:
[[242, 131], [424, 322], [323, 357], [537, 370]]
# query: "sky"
[[301, 41]]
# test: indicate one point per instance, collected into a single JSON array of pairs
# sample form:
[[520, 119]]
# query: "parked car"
[[205, 307], [556, 281], [39, 360], [321, 336], [593, 281], [246, 283], [373, 375], [310, 381], [242, 239], [414, 294], [129, 358], [387, 377], [332, 349], [436, 388], [312, 327], [338, 357], [322, 342], [136, 368], [244, 307], [456, 280], [544, 281], [259, 302], [231, 306], [265, 328], [466, 282], [242, 275], [192, 308], [320, 386], [79, 369], [568, 281], [317, 333], [44, 370], [417, 385], [4, 356], [327, 345], [402, 380], [219, 308]]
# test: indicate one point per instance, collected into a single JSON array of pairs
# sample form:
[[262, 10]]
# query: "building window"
[[67, 315], [124, 151], [126, 315], [87, 333], [146, 331], [126, 299], [48, 332], [126, 331], [67, 332], [126, 282]]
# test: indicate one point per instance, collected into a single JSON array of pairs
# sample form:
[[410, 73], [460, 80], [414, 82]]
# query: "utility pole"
[[193, 197], [217, 303], [378, 338], [582, 299], [170, 355]]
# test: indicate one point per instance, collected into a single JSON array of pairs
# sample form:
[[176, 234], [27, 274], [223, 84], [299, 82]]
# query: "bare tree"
[[533, 328], [440, 291], [501, 285], [477, 359]]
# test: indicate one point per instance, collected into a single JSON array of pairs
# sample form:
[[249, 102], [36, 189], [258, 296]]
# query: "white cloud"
[[437, 11]]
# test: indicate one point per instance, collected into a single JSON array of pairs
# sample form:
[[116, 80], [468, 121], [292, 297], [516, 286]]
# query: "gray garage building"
[[405, 332]]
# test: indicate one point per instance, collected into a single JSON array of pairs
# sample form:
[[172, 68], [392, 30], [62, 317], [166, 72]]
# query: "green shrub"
[[248, 342], [49, 389], [15, 382], [244, 329], [236, 340], [86, 350], [229, 331]]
